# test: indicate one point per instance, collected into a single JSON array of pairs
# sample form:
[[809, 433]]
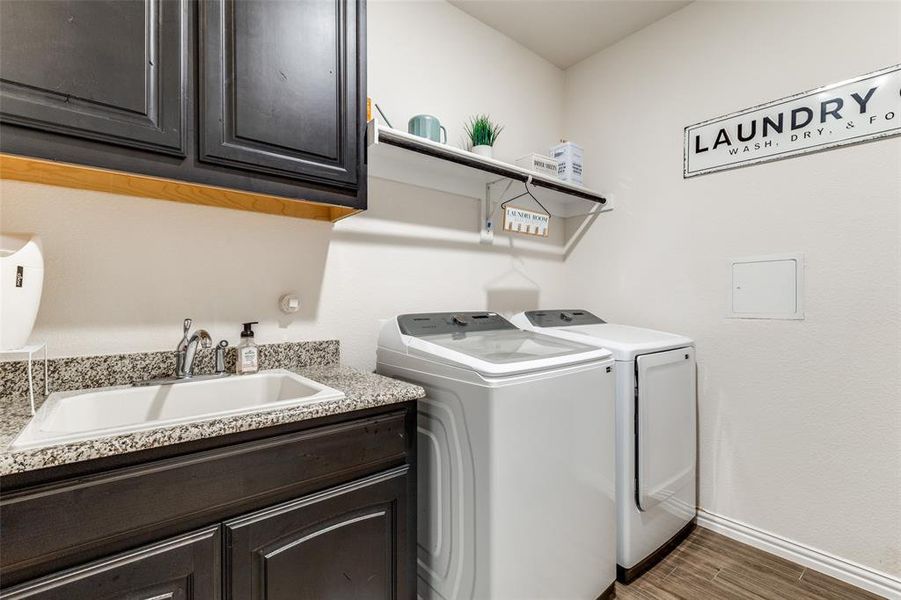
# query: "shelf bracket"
[[488, 208]]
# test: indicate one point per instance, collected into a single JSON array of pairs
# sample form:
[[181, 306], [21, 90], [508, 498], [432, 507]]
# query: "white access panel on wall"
[[767, 287]]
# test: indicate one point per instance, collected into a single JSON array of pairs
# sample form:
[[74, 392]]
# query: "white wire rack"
[[30, 351]]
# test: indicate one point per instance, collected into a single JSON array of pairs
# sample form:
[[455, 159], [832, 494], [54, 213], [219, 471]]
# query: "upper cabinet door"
[[110, 71], [279, 87]]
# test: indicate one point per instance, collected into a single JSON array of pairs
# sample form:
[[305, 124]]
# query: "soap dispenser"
[[248, 353]]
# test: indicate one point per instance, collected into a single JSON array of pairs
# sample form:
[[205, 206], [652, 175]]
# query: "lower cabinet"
[[307, 512], [343, 543], [183, 568]]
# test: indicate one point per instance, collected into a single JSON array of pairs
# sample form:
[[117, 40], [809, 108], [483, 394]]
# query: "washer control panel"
[[563, 317], [419, 325]]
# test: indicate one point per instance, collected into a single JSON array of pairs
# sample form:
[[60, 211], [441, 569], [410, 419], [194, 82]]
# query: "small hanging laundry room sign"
[[520, 220], [857, 110]]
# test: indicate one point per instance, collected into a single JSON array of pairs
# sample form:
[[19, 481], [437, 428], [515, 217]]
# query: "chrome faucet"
[[187, 350], [184, 358]]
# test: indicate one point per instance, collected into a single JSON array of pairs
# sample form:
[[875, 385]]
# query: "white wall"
[[122, 272], [428, 57], [800, 421]]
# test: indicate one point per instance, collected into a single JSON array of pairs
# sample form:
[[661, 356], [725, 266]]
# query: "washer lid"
[[624, 341], [493, 346]]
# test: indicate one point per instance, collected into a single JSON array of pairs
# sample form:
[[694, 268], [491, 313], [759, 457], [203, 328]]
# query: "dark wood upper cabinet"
[[113, 72], [279, 87], [184, 568], [348, 542], [197, 98]]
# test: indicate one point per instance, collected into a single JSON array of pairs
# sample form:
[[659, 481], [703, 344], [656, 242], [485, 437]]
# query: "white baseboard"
[[858, 575]]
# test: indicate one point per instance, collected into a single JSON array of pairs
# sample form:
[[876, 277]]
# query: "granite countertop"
[[362, 390]]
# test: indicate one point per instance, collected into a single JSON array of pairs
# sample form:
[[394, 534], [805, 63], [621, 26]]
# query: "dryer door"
[[665, 425]]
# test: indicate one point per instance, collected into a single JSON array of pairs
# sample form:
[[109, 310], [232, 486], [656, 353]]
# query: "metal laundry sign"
[[858, 110]]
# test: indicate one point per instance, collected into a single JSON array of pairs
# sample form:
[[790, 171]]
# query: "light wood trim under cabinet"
[[115, 182]]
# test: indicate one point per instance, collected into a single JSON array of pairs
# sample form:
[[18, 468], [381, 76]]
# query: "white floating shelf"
[[400, 156]]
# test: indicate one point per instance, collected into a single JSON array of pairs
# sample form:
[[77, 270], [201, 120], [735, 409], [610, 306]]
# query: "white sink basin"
[[71, 416]]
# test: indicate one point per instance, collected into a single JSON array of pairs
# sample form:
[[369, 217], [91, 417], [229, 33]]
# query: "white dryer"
[[656, 431], [515, 458]]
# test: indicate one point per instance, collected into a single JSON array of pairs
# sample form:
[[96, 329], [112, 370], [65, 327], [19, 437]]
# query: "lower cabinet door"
[[345, 542], [187, 567]]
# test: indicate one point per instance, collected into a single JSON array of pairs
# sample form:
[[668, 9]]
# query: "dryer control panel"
[[423, 324], [563, 317]]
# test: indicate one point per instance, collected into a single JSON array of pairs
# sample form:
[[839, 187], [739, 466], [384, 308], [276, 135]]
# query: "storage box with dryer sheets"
[[569, 161]]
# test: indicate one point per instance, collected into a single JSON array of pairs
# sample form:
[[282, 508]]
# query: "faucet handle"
[[187, 326], [220, 357]]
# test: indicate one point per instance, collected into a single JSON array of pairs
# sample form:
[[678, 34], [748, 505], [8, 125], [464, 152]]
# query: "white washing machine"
[[656, 431], [515, 458]]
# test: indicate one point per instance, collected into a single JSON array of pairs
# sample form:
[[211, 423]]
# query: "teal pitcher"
[[428, 127]]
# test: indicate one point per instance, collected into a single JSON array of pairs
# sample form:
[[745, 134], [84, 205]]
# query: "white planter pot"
[[484, 150]]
